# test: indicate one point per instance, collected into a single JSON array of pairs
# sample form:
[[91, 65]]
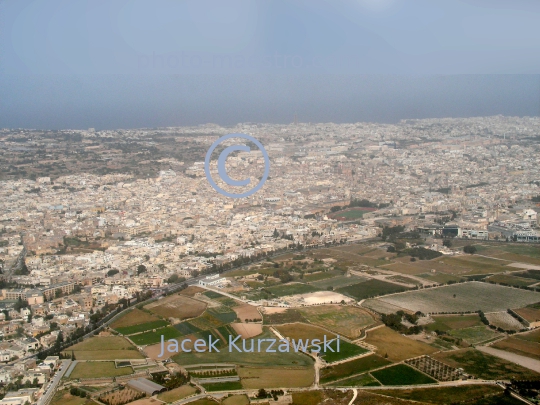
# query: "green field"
[[104, 348], [320, 275], [482, 365], [247, 358], [401, 374], [353, 367], [213, 294], [338, 282], [129, 330], [450, 322], [511, 280], [475, 335], [149, 338], [289, 316], [224, 386], [351, 214], [445, 395], [362, 380], [92, 369], [346, 350], [291, 289], [370, 288]]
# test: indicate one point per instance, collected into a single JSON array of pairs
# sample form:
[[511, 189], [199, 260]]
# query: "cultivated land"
[[370, 288], [346, 350], [260, 377], [353, 367], [401, 374], [92, 369], [337, 282], [343, 320], [445, 395], [287, 316], [134, 317], [482, 365], [446, 323], [177, 306], [303, 331], [523, 344], [177, 393], [246, 311], [262, 359], [529, 314], [151, 337], [396, 346], [471, 296], [104, 348], [504, 321], [63, 397], [291, 289], [362, 380], [236, 400], [475, 334]]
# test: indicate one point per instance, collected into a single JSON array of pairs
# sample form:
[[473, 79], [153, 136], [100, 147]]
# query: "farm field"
[[475, 334], [371, 288], [148, 338], [246, 311], [519, 346], [177, 393], [394, 345], [533, 336], [303, 331], [262, 359], [504, 320], [511, 280], [444, 395], [291, 289], [236, 400], [91, 369], [261, 377], [134, 317], [529, 314], [401, 374], [446, 323], [440, 277], [104, 348], [353, 367], [343, 320], [319, 276], [177, 306], [143, 327], [471, 264], [338, 282], [482, 365], [470, 296], [223, 386], [63, 397], [191, 291], [346, 350], [287, 316], [362, 380], [381, 307]]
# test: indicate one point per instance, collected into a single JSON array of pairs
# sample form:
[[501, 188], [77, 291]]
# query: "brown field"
[[519, 346], [177, 306], [514, 257], [471, 264], [134, 317], [177, 393], [529, 314], [344, 320], [302, 331], [246, 311], [533, 336], [120, 397], [145, 401], [397, 347], [247, 330], [191, 291], [404, 268], [261, 377]]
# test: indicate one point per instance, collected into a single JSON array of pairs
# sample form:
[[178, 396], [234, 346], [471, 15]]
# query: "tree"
[[262, 393], [471, 249], [447, 243], [141, 268]]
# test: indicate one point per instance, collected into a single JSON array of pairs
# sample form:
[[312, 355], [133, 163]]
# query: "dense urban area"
[[416, 243]]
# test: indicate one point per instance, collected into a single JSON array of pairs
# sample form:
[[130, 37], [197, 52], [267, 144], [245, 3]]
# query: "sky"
[[139, 63]]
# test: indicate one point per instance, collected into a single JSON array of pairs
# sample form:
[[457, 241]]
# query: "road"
[[53, 384], [523, 361]]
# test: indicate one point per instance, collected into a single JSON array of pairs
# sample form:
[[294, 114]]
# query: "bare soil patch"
[[246, 311], [134, 317], [192, 290], [247, 330], [177, 306]]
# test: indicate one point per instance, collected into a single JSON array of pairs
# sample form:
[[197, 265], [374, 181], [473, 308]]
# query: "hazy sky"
[[111, 64]]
